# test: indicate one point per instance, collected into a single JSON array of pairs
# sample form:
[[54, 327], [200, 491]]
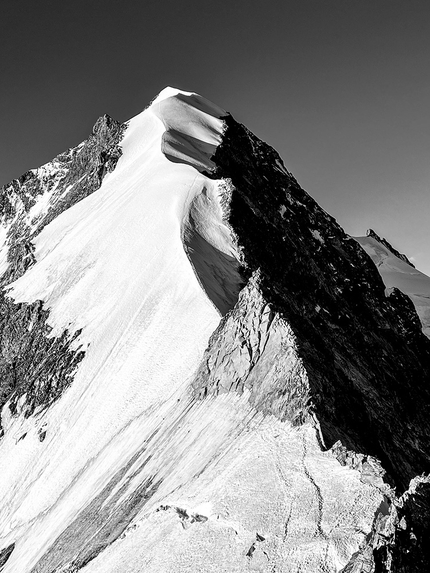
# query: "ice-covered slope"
[[396, 272], [114, 267], [179, 323]]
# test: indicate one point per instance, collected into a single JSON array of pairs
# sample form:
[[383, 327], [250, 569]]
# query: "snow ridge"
[[113, 268], [188, 439]]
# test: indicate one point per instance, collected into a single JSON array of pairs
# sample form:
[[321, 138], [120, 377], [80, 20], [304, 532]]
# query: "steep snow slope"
[[395, 272], [187, 439], [114, 267]]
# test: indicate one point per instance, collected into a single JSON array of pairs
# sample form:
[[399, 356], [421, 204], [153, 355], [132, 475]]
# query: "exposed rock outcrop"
[[255, 349], [366, 358], [287, 443], [402, 546], [32, 363], [5, 553]]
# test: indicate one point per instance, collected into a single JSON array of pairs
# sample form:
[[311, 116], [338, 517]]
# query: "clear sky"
[[341, 88]]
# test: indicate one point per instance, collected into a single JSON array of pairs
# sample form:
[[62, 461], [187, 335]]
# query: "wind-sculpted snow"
[[193, 128], [211, 246], [219, 355]]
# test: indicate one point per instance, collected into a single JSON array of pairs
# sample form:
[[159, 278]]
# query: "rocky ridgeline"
[[397, 542], [366, 358], [316, 300], [312, 334], [401, 256], [31, 362]]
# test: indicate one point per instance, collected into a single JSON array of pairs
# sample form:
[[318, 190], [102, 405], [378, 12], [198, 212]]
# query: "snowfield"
[[226, 489]]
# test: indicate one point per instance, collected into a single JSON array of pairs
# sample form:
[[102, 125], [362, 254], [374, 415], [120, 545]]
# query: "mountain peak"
[[371, 233], [191, 350], [193, 127], [192, 98]]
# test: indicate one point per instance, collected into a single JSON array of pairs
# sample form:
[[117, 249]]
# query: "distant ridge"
[[199, 370], [371, 233]]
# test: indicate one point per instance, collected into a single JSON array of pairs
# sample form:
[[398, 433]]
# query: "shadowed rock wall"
[[367, 360]]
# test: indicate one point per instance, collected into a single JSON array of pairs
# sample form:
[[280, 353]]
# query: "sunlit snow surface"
[[397, 273], [114, 266]]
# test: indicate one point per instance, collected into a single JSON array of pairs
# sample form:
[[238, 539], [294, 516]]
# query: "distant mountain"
[[200, 371], [398, 272]]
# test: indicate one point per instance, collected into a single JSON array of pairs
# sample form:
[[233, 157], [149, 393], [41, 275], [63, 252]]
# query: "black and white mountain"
[[199, 370], [398, 272]]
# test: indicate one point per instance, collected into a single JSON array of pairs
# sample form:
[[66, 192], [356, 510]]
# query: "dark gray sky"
[[341, 88]]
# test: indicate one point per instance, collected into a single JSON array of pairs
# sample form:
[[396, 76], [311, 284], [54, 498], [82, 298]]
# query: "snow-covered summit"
[[193, 127], [113, 266], [187, 338]]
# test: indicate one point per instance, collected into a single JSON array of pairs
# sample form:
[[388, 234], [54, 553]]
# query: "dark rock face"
[[186, 518], [98, 156], [371, 233], [366, 357], [80, 168], [405, 548], [5, 554], [31, 362], [398, 541]]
